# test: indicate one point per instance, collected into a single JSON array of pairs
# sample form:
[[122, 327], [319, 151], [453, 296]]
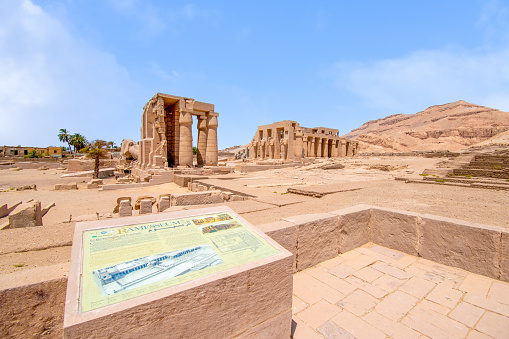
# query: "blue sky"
[[91, 65]]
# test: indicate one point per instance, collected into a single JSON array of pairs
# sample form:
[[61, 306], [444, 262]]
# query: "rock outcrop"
[[452, 127]]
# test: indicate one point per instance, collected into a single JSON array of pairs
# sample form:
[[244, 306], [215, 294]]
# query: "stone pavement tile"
[[302, 288], [429, 305], [336, 283], [476, 284], [424, 273], [450, 326], [360, 261], [317, 314], [359, 302], [488, 304], [301, 330], [417, 287], [500, 292], [445, 295], [404, 262], [424, 327], [298, 305], [388, 283], [392, 328], [357, 327], [477, 335], [467, 314], [342, 271], [394, 271], [446, 271], [387, 252], [366, 287], [332, 331], [376, 255], [332, 262], [396, 305], [494, 325], [323, 290], [350, 254], [368, 274]]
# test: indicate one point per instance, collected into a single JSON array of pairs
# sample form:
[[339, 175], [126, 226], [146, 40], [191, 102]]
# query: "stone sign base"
[[250, 300]]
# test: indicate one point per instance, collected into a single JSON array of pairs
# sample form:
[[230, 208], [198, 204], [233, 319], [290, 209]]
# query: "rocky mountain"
[[452, 127]]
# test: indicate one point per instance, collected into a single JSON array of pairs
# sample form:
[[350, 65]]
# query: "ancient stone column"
[[343, 149], [319, 148], [325, 148], [349, 149], [202, 140], [211, 156], [312, 152], [298, 146], [186, 139]]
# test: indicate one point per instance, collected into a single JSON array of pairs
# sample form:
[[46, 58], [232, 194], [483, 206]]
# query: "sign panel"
[[124, 262]]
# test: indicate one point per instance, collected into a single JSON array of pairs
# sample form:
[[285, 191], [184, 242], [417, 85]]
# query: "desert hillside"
[[452, 127]]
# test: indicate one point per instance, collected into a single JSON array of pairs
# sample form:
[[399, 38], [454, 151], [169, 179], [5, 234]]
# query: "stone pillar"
[[186, 139], [325, 148], [343, 149], [348, 149], [312, 152], [319, 148], [202, 140], [298, 146], [271, 149], [335, 148], [305, 146], [211, 156]]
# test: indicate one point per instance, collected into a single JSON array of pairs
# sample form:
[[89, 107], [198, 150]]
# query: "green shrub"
[[440, 180], [424, 175]]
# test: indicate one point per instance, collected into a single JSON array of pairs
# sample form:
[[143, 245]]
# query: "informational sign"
[[124, 262]]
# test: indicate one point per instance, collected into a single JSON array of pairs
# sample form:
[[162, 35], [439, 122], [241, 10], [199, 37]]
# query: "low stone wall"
[[313, 238], [196, 198], [79, 165]]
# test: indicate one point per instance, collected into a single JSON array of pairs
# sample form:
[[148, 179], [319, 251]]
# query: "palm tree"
[[78, 141], [64, 136], [111, 144], [97, 151]]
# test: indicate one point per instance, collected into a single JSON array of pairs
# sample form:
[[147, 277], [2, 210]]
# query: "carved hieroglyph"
[[287, 140], [166, 132]]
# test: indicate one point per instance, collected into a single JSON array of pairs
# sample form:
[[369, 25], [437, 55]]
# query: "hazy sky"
[[91, 65]]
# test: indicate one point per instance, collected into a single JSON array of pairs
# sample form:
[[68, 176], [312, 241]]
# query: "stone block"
[[472, 247], [285, 234], [5, 210], [66, 187], [145, 206], [395, 229], [353, 227], [227, 195], [194, 187], [235, 197], [92, 186], [164, 203], [97, 181], [504, 262], [317, 238], [201, 188], [196, 198], [41, 310], [26, 215], [125, 209], [123, 180]]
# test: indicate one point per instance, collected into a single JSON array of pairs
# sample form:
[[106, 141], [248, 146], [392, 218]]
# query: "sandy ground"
[[23, 249]]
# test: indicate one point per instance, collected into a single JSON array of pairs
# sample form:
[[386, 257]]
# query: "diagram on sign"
[[154, 268]]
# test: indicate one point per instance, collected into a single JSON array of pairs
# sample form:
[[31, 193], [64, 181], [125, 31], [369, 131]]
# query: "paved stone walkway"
[[374, 292]]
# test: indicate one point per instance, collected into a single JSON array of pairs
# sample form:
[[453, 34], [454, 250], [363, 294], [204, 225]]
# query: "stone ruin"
[[287, 140], [166, 133]]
